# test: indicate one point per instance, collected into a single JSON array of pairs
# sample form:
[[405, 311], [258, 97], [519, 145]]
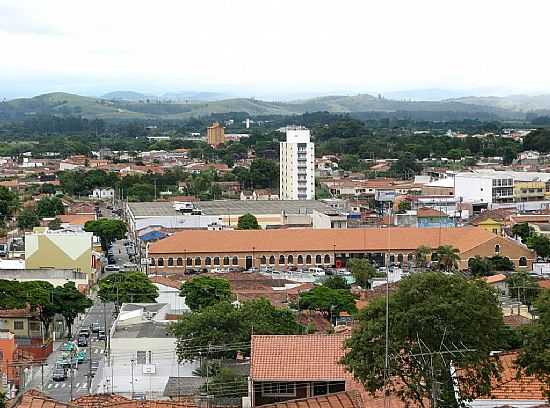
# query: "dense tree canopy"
[[330, 302], [534, 356], [248, 222], [28, 218], [363, 271], [204, 291], [48, 207], [227, 328], [429, 312], [108, 230], [127, 287], [70, 302]]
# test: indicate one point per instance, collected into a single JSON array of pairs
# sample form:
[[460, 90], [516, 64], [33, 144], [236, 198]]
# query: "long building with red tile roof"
[[323, 247]]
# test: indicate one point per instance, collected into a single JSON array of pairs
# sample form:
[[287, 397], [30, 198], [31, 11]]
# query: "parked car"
[[111, 260], [82, 341], [84, 331], [217, 269], [112, 268], [59, 374], [96, 327], [129, 266], [101, 334]]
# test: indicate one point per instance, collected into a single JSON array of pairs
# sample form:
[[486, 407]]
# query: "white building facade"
[[297, 165]]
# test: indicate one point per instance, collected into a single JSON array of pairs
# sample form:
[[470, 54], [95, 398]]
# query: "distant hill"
[[127, 96], [193, 96], [132, 105]]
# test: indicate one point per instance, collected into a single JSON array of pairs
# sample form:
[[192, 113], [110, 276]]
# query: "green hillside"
[[65, 104]]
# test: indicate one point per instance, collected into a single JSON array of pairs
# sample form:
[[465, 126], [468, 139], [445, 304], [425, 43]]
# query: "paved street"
[[77, 384]]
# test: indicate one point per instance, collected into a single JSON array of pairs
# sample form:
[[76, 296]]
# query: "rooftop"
[[237, 207], [146, 329], [349, 399], [288, 358], [292, 240]]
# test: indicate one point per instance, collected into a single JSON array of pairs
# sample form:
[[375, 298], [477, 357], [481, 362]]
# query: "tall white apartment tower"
[[297, 165]]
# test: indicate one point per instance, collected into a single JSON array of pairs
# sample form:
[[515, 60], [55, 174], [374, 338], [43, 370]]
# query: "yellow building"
[[215, 134], [529, 191], [61, 250], [491, 225]]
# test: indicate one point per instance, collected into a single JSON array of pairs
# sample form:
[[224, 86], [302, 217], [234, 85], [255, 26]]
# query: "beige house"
[[60, 250]]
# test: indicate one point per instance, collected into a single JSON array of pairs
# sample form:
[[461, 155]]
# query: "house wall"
[[263, 392], [474, 189], [60, 250], [508, 248]]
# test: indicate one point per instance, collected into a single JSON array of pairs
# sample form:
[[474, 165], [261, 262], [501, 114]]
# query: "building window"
[[160, 262], [497, 249], [290, 260], [216, 260], [523, 261], [179, 262], [152, 261], [392, 259], [318, 259], [208, 261], [308, 259], [279, 389], [235, 260], [400, 258], [300, 260], [409, 257], [170, 261], [189, 261], [272, 260], [197, 261], [226, 260], [281, 260], [327, 259], [18, 325], [35, 326], [263, 260]]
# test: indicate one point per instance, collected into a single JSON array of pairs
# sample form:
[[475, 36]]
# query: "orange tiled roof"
[[113, 400], [500, 277], [429, 212], [544, 283], [349, 399], [35, 399], [292, 240], [509, 387], [76, 219], [288, 358], [516, 320]]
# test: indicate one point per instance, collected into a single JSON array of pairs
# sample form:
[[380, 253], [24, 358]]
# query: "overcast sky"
[[263, 47]]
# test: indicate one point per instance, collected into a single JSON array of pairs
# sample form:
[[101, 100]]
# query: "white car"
[[129, 266], [112, 268]]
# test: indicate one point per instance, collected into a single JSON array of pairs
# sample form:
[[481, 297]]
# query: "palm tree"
[[447, 257], [421, 257]]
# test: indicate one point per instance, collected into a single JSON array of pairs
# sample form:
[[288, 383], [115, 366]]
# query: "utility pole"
[[132, 361]]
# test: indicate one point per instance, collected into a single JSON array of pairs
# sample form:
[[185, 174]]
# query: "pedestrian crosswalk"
[[76, 386]]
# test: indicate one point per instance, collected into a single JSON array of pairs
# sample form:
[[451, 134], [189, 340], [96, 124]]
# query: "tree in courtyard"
[[447, 258], [204, 291], [9, 203], [480, 266], [336, 282], [406, 166], [522, 230], [127, 287], [107, 230], [404, 206], [248, 222], [40, 299], [363, 271], [523, 287], [28, 219], [54, 224], [226, 383], [429, 311], [227, 328], [421, 256], [330, 302], [141, 192], [69, 302], [501, 263], [49, 207], [534, 356], [540, 244]]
